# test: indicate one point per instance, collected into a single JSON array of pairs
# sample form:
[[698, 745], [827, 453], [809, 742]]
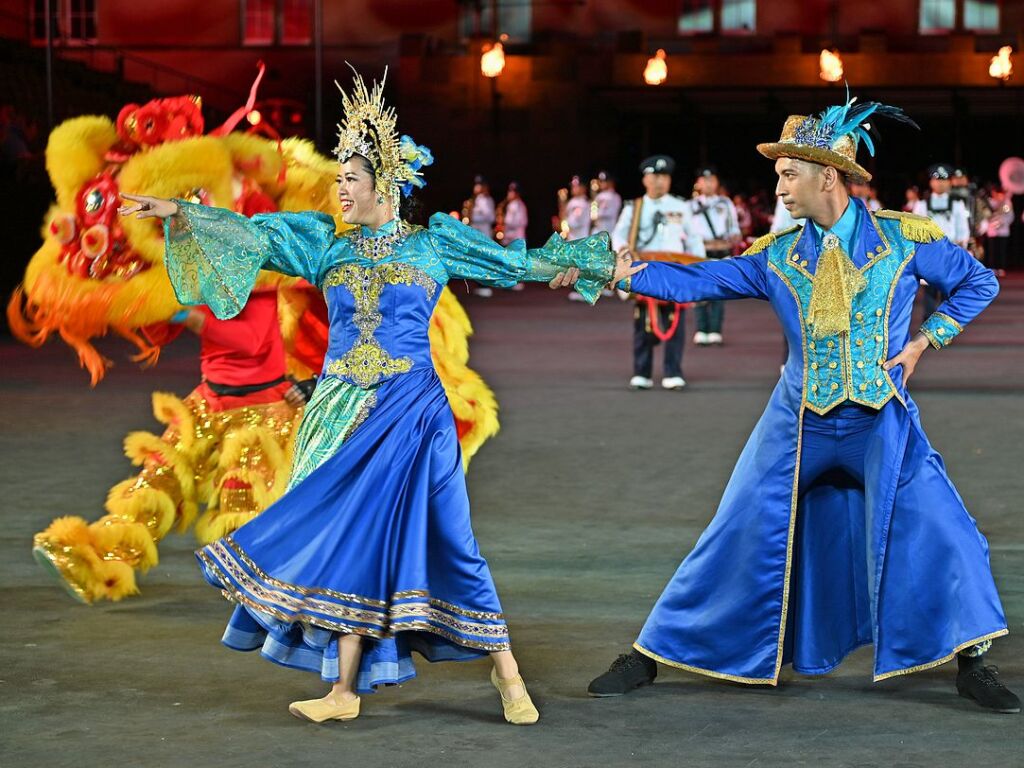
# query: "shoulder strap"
[[634, 225], [919, 229]]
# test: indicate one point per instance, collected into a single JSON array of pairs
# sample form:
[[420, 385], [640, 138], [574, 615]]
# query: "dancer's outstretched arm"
[[214, 255]]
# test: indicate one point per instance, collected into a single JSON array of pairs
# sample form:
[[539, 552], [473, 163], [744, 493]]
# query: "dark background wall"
[[571, 98]]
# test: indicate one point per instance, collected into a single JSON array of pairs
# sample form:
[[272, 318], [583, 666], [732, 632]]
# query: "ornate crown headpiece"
[[370, 128], [831, 137]]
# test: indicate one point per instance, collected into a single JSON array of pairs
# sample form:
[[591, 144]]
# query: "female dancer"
[[370, 554]]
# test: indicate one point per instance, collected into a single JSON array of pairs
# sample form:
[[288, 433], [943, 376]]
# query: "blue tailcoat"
[[777, 578]]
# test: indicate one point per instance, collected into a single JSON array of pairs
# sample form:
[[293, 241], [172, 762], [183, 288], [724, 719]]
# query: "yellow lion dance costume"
[[95, 273]]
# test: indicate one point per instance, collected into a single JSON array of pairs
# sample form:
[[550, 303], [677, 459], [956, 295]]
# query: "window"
[[739, 15], [696, 16], [258, 18], [71, 21], [82, 19], [727, 16], [981, 15], [937, 16], [476, 19], [277, 22], [296, 22]]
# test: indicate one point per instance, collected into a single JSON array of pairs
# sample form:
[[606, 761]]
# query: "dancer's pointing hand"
[[146, 207]]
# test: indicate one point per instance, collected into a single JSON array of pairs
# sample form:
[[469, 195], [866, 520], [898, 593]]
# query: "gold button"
[[878, 313], [878, 339], [940, 331], [879, 248], [796, 257], [832, 364], [803, 263], [831, 344], [863, 387], [814, 387], [834, 385], [811, 345], [859, 315], [881, 361], [879, 382], [814, 366], [860, 342], [860, 363]]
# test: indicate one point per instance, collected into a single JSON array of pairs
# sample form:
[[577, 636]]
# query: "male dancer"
[[839, 526]]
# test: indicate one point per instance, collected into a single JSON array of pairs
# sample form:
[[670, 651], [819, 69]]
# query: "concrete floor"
[[584, 505]]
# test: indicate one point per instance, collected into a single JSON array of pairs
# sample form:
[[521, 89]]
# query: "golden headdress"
[[370, 128]]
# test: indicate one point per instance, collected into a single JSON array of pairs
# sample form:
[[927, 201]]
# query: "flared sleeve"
[[468, 254], [213, 255]]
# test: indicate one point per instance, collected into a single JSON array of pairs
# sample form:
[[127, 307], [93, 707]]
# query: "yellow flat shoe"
[[517, 711], [319, 710]]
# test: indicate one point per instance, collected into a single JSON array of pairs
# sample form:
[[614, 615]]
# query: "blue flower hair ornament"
[[414, 157]]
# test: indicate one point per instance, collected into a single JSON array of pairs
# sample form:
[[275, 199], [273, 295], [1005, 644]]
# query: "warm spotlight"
[[656, 70], [1001, 67], [492, 62], [254, 117], [830, 66]]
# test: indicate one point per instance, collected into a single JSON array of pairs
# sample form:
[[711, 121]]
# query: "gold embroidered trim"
[[766, 240], [919, 229], [241, 598], [230, 542], [289, 607], [950, 320], [707, 672], [944, 659], [367, 362], [931, 337]]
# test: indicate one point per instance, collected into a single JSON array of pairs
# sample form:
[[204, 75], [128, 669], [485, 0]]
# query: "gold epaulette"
[[765, 240], [919, 229]]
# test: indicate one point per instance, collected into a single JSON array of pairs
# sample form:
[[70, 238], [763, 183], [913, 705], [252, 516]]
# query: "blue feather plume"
[[851, 119]]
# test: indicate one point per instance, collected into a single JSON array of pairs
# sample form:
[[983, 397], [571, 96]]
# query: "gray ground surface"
[[584, 505]]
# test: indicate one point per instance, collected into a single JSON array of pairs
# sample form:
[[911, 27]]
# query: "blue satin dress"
[[803, 563], [373, 536]]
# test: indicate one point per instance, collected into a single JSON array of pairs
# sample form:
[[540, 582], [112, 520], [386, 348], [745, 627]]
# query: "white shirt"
[[515, 220], [782, 219], [577, 216], [666, 225], [951, 216], [609, 206], [481, 218], [722, 215]]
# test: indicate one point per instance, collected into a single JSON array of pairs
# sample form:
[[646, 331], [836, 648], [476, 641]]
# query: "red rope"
[[652, 318]]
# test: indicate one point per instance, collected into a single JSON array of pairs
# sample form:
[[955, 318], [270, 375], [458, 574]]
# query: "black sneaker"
[[982, 684], [629, 671]]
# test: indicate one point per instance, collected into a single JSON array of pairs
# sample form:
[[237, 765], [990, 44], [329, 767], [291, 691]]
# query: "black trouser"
[[711, 313], [998, 252], [644, 340]]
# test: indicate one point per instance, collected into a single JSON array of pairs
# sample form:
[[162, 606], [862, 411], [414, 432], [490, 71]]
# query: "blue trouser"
[[837, 442]]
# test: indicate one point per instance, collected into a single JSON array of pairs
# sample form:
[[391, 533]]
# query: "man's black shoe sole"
[[1014, 711], [613, 695]]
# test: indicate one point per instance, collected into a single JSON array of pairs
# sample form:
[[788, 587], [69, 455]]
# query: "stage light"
[[254, 117], [656, 70], [1001, 67], [492, 62], [830, 66]]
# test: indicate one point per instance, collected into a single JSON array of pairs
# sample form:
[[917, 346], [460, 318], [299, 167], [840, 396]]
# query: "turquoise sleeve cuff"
[[941, 329]]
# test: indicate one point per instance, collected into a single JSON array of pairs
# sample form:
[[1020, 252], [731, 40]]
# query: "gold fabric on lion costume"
[[95, 273]]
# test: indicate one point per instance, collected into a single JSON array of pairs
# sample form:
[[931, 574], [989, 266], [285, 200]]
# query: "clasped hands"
[[623, 268]]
